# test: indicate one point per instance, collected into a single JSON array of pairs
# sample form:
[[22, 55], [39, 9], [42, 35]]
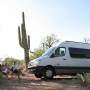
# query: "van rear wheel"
[[48, 73]]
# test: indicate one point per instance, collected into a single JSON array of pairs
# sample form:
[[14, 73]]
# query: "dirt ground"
[[29, 82]]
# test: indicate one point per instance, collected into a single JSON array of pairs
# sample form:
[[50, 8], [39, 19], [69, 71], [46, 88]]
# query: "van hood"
[[40, 58]]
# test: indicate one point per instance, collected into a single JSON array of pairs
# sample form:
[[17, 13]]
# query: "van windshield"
[[49, 51]]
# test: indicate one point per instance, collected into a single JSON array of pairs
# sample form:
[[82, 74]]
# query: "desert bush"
[[83, 79], [10, 62], [1, 75]]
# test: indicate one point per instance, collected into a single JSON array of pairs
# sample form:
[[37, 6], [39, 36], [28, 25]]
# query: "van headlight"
[[33, 64]]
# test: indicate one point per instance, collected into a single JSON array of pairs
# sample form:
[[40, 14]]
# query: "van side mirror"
[[53, 55]]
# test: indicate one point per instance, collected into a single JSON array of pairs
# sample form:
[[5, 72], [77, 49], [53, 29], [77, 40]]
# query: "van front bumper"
[[38, 69]]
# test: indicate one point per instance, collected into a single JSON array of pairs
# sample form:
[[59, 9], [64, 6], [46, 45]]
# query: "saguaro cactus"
[[24, 40]]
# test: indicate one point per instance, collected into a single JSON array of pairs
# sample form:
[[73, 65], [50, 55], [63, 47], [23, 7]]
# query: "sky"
[[67, 19]]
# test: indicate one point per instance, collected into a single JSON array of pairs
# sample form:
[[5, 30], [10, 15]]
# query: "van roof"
[[75, 44]]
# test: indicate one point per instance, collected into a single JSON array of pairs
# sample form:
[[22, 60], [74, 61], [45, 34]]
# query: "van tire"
[[37, 75], [48, 73]]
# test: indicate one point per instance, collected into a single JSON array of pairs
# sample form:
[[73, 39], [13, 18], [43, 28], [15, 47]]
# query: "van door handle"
[[64, 59]]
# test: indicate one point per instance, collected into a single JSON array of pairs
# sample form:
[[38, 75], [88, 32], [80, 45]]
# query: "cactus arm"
[[23, 18], [28, 42]]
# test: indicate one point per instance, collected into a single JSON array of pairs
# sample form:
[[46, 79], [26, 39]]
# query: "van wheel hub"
[[49, 73]]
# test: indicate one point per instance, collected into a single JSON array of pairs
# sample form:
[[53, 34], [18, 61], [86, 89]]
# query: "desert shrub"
[[83, 79], [10, 62], [1, 75]]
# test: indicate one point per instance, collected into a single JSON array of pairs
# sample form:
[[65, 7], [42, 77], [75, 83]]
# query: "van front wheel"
[[48, 73], [38, 75]]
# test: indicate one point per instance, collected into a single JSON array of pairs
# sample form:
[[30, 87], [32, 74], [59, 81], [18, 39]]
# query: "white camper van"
[[67, 58]]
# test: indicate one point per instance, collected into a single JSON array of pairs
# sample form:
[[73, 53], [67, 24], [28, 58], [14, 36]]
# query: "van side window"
[[60, 51], [79, 53]]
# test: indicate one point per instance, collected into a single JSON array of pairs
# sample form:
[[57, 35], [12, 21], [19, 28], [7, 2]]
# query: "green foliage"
[[37, 53], [24, 40]]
